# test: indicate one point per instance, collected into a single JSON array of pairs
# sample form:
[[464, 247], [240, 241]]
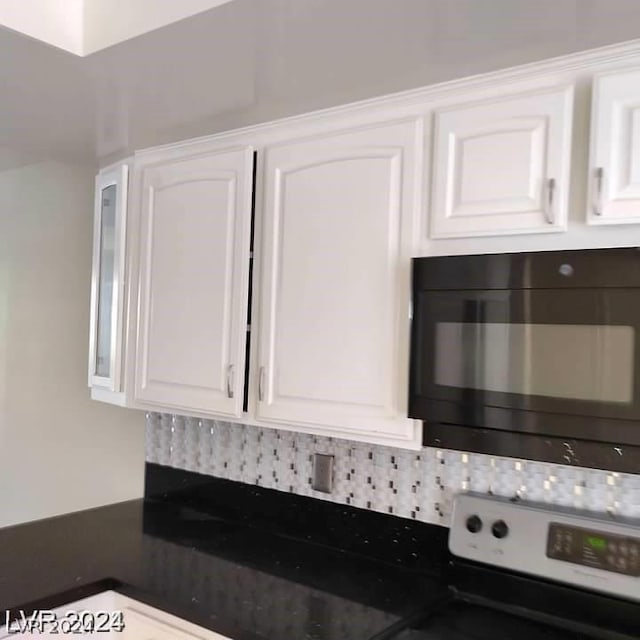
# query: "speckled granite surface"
[[235, 578], [257, 564]]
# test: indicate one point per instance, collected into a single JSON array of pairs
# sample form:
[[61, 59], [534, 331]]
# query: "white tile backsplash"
[[418, 485]]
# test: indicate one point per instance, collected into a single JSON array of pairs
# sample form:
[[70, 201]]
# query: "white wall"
[[85, 26], [251, 61], [59, 451], [107, 22], [58, 22]]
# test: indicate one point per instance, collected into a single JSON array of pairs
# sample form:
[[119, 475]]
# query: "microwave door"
[[571, 352]]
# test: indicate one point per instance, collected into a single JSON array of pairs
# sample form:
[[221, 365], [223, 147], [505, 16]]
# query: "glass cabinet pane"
[[105, 281]]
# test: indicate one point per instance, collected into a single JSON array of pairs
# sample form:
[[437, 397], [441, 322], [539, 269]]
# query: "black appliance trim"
[[589, 268], [528, 446], [418, 619], [565, 607], [607, 431], [472, 420]]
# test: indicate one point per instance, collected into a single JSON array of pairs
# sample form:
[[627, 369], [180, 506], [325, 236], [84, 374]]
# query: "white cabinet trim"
[[421, 101], [118, 177]]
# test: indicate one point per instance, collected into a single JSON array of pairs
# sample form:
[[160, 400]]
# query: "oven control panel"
[[583, 548], [594, 548]]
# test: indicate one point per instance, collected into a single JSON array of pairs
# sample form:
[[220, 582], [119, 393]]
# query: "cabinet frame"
[[119, 177]]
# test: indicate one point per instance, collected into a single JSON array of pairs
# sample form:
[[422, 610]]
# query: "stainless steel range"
[[576, 547], [527, 571]]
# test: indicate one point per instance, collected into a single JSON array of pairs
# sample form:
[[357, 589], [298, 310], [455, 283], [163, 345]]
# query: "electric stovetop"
[[460, 621], [525, 571]]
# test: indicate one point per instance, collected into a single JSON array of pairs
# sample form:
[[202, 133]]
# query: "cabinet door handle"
[[598, 180], [261, 384], [230, 381], [551, 188]]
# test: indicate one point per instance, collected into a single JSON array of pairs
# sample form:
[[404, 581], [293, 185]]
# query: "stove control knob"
[[500, 529], [474, 524]]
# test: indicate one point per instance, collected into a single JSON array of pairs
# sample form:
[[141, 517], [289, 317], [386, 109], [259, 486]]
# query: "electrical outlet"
[[322, 472]]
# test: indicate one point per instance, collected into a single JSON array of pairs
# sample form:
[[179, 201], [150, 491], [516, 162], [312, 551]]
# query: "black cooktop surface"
[[467, 621]]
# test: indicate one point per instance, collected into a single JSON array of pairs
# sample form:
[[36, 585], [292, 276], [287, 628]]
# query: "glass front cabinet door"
[[107, 285]]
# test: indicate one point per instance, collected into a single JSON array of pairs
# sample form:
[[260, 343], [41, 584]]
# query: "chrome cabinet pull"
[[230, 381], [261, 384], [551, 188], [597, 205]]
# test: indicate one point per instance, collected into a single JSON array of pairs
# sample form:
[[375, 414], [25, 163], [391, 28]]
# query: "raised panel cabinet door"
[[339, 212], [502, 166], [614, 168], [195, 231]]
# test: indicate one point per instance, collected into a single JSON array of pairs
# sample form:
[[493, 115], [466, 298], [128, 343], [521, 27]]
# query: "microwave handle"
[[551, 187]]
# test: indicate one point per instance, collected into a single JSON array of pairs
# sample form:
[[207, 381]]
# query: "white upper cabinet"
[[195, 231], [343, 202], [106, 333], [338, 215], [614, 168], [501, 166]]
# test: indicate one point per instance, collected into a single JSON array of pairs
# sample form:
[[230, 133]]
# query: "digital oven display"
[[620, 554]]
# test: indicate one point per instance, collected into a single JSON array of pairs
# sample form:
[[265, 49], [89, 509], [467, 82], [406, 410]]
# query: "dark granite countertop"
[[258, 564], [239, 580]]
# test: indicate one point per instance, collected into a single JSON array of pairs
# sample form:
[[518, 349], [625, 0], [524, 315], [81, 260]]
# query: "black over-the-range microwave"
[[533, 355]]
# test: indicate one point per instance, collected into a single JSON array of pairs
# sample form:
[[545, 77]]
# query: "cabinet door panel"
[[195, 233], [509, 183], [615, 150], [335, 282], [325, 257], [503, 166]]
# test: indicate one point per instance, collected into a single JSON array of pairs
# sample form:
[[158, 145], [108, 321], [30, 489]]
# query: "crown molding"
[[420, 101]]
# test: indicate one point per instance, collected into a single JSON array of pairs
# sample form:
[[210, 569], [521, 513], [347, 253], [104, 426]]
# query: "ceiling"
[[86, 26], [249, 61]]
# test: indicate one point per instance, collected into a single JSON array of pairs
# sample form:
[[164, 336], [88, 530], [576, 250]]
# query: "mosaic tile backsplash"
[[409, 484]]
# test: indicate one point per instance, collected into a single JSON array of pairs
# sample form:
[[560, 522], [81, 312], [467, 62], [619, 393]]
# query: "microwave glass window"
[[571, 361]]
